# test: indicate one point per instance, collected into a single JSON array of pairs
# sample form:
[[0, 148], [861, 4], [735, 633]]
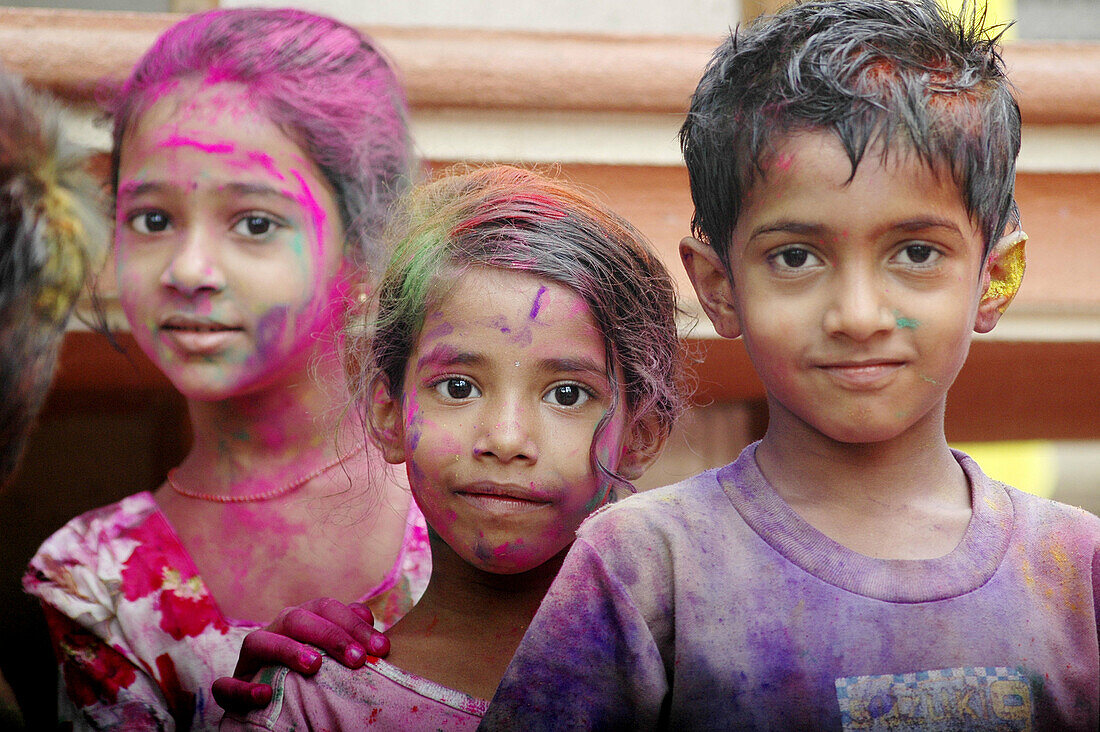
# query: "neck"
[[271, 435], [462, 592], [900, 498], [468, 624], [803, 464]]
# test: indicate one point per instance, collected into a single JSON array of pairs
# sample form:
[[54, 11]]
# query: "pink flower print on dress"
[[185, 604], [93, 672]]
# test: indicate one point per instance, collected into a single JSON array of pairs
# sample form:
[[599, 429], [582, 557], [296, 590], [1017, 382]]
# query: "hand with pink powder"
[[343, 632]]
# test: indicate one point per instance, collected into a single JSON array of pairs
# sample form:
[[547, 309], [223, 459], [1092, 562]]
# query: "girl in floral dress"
[[255, 155]]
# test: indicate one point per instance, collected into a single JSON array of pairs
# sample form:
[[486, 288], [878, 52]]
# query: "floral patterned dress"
[[138, 636]]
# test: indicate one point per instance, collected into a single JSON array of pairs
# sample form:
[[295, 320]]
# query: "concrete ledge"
[[73, 52]]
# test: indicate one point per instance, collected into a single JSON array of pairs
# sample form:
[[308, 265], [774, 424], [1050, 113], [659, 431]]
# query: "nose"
[[509, 435], [859, 305], [194, 266]]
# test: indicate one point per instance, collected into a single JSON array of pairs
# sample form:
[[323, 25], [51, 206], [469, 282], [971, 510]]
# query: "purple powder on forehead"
[[537, 303]]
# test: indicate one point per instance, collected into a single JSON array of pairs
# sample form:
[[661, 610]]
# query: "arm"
[[344, 632], [105, 689], [588, 660]]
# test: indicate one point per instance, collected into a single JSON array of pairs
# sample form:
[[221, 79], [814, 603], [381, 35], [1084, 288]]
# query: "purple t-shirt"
[[378, 697], [710, 604]]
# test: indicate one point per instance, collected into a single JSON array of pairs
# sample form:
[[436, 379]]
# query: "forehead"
[[808, 177], [515, 305], [219, 120]]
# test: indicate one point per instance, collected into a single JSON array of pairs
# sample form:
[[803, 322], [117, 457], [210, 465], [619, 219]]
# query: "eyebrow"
[[133, 189], [443, 355], [807, 229], [573, 365], [257, 189]]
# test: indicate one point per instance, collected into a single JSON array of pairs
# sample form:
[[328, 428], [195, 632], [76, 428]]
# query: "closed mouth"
[[866, 374], [502, 499], [195, 325]]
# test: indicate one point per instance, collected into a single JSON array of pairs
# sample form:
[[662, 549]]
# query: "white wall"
[[657, 17]]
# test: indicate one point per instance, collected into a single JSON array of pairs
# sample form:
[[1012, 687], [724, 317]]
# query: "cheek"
[[270, 332]]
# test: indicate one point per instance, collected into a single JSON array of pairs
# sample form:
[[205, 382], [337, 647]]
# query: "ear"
[[642, 447], [386, 421], [712, 286], [1001, 277]]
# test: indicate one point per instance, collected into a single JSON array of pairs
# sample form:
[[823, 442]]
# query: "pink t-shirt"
[[139, 637], [379, 696]]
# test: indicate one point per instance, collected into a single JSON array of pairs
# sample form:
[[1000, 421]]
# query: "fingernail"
[[377, 644], [309, 659], [354, 654]]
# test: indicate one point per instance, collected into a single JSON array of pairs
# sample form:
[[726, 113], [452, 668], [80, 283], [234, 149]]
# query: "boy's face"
[[856, 299]]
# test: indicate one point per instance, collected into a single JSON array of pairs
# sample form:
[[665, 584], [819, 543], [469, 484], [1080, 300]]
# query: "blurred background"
[[593, 92]]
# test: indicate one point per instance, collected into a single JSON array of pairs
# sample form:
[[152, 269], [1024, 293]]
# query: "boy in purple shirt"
[[852, 165]]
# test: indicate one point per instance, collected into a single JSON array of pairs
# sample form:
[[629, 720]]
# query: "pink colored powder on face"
[[216, 148], [262, 159], [310, 204]]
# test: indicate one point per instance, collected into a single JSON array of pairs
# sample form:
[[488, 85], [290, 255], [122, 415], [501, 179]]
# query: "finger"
[[365, 633], [329, 625], [264, 648], [241, 697]]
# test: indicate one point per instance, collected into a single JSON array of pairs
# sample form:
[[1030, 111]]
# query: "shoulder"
[[376, 694], [100, 537], [689, 502], [1040, 524]]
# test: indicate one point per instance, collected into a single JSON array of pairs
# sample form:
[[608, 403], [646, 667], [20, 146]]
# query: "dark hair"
[[320, 80], [52, 233], [511, 218], [895, 72]]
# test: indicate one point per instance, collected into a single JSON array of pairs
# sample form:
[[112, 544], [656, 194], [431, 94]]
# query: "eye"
[[919, 254], [567, 395], [793, 258], [456, 387], [150, 222], [255, 225]]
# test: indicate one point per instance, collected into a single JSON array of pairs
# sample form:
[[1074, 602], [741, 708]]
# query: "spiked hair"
[[899, 73]]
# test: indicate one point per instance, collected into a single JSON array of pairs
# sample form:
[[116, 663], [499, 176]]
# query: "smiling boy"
[[852, 166]]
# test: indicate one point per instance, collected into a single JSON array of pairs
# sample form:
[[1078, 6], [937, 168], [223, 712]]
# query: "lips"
[[863, 374], [199, 336], [502, 499]]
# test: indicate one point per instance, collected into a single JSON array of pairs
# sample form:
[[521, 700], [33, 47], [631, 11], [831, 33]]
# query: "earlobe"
[[386, 423], [712, 286], [643, 446], [1001, 277]]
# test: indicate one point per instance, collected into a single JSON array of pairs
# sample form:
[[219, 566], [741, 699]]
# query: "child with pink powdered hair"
[[523, 363], [256, 154]]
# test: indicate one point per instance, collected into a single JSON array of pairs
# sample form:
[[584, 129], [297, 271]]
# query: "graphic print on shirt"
[[989, 697]]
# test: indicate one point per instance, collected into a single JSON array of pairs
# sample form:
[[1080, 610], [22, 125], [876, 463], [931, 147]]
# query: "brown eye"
[[255, 226], [567, 395], [919, 253], [794, 257], [457, 388], [150, 222]]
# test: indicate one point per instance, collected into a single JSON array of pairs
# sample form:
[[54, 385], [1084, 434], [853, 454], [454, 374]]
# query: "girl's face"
[[229, 244], [502, 396]]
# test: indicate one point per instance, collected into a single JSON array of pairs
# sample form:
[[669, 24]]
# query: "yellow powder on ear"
[[1012, 263]]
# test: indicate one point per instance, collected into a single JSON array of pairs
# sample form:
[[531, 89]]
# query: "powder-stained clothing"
[[379, 697], [138, 636], [710, 604]]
